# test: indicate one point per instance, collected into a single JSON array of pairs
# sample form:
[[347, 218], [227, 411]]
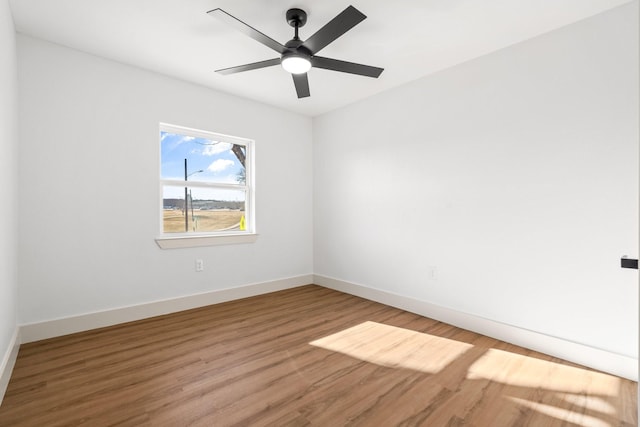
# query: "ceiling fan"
[[298, 56]]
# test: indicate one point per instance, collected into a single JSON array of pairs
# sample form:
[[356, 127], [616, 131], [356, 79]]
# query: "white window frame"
[[193, 239]]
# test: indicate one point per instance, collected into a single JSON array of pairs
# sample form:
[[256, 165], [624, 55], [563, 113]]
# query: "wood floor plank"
[[304, 356]]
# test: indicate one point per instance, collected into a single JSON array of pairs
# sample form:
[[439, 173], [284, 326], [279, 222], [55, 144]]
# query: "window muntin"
[[205, 183]]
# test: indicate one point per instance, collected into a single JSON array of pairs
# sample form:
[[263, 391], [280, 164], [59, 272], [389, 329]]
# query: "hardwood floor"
[[305, 356]]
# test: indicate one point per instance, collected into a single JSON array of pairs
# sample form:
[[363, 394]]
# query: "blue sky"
[[215, 159]]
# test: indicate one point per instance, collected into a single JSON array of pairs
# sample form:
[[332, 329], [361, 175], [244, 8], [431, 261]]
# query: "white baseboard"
[[68, 325], [602, 360], [8, 361]]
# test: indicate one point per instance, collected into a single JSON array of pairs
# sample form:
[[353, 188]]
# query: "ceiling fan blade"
[[346, 67], [339, 25], [301, 81], [247, 67], [247, 29]]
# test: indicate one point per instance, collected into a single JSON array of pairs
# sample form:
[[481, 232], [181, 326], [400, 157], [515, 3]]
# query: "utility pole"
[[193, 218], [186, 212], [186, 197]]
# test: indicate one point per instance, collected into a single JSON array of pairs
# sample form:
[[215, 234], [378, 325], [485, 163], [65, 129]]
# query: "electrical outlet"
[[199, 265]]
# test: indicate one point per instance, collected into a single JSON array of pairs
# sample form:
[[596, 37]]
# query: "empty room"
[[271, 213]]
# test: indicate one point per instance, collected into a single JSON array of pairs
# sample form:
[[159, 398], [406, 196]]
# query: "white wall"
[[9, 180], [89, 168], [514, 175]]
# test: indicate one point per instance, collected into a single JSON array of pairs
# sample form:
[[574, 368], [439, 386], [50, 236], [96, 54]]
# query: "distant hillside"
[[203, 204]]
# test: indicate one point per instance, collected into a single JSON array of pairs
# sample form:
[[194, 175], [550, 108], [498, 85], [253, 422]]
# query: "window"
[[206, 188]]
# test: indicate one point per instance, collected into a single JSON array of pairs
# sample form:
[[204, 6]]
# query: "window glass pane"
[[206, 160], [207, 210]]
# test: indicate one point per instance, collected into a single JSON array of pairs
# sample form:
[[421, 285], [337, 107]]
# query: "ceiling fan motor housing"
[[294, 46]]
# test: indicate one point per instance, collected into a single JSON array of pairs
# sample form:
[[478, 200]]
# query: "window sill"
[[178, 242]]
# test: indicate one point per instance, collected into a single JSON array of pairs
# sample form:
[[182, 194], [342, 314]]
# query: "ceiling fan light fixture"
[[296, 64]]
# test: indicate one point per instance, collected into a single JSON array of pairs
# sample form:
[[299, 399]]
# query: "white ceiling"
[[409, 38]]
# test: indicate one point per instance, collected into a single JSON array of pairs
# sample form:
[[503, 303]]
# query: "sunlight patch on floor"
[[535, 388], [394, 347], [567, 416], [593, 403], [523, 371]]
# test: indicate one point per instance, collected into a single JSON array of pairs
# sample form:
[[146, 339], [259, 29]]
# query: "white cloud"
[[185, 139], [220, 165], [216, 148]]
